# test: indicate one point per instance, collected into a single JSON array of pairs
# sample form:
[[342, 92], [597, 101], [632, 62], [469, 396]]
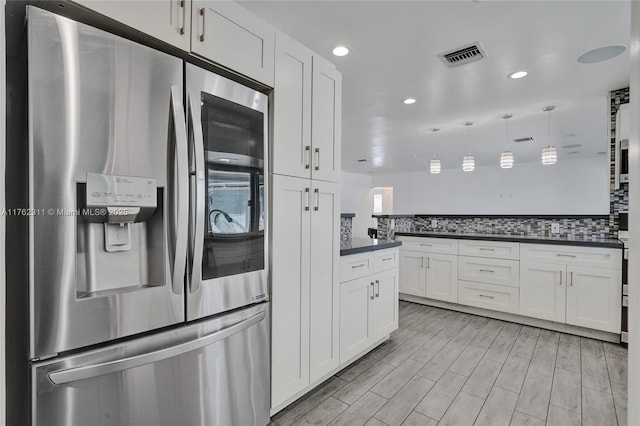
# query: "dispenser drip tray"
[[117, 237]]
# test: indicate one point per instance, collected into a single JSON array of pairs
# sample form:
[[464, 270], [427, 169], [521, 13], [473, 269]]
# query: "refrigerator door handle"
[[62, 377], [197, 200], [182, 172]]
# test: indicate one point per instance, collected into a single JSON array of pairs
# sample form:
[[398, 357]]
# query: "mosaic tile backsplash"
[[346, 226], [533, 226]]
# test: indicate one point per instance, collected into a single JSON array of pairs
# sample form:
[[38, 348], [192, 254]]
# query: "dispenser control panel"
[[120, 191]]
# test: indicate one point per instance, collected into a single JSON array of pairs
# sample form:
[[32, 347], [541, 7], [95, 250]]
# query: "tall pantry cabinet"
[[305, 231]]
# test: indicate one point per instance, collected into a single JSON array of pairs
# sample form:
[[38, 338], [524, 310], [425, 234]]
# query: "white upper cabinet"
[[226, 33], [292, 109], [307, 113], [326, 121], [166, 20]]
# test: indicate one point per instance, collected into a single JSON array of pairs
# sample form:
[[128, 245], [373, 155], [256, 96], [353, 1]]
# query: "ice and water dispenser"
[[120, 234]]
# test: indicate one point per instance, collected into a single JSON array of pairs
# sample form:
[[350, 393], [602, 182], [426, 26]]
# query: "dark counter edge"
[[368, 248], [347, 215], [496, 216], [516, 239]]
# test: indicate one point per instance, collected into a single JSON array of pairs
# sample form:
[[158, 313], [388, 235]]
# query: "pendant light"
[[506, 158], [549, 152], [435, 166], [468, 162]]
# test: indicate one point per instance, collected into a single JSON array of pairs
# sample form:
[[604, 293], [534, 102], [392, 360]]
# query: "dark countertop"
[[347, 215], [363, 245], [577, 241]]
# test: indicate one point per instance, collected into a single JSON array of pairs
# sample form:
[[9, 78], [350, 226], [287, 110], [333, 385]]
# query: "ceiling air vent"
[[519, 140], [464, 55]]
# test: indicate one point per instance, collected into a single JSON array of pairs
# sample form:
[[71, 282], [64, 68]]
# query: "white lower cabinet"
[[428, 274], [489, 296], [368, 309], [543, 291], [304, 284]]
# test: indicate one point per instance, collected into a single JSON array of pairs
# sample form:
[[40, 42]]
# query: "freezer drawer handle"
[[86, 372]]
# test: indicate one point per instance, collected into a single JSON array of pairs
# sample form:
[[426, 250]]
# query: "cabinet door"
[[384, 315], [226, 33], [594, 298], [290, 271], [543, 291], [412, 273], [326, 119], [291, 151], [442, 277], [166, 20], [325, 278], [355, 328]]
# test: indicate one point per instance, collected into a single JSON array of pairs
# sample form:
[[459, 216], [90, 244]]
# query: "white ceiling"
[[394, 47]]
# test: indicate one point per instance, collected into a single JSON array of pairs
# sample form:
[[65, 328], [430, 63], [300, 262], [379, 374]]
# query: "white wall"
[[569, 187], [356, 198], [633, 381]]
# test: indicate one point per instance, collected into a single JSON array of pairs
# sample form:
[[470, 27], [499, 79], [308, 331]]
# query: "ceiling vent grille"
[[520, 140], [464, 55]]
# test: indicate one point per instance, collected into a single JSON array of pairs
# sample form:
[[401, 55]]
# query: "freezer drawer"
[[210, 373]]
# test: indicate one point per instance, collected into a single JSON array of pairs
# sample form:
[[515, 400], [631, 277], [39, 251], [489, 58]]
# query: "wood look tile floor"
[[449, 368]]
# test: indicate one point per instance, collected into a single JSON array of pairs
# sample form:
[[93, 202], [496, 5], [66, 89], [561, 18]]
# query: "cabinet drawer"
[[384, 260], [355, 266], [431, 245], [494, 249], [489, 296], [572, 255], [490, 271]]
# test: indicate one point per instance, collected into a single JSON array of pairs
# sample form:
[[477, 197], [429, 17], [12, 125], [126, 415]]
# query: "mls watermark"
[[64, 212]]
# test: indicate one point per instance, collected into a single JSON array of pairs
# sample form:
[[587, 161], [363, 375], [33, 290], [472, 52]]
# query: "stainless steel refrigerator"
[[145, 292]]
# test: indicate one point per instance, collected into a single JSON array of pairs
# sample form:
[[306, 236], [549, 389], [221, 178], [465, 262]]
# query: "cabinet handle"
[[359, 266], [428, 262], [202, 14], [571, 281], [487, 249], [317, 151], [561, 277], [307, 153], [387, 258], [317, 206], [422, 262], [425, 245], [565, 255], [306, 206], [181, 6], [487, 270], [372, 291], [377, 288], [486, 297]]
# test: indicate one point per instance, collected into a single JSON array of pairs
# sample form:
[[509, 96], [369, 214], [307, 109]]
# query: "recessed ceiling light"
[[601, 54], [409, 101], [414, 155], [573, 145], [341, 50], [517, 74]]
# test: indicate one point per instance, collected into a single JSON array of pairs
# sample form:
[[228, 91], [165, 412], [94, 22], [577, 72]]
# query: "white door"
[[412, 272], [384, 315], [543, 291], [326, 121], [442, 277], [325, 278], [228, 34], [166, 20], [356, 299], [594, 298], [291, 152], [290, 271]]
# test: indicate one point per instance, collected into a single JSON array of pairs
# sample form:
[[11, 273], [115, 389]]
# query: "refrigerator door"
[[228, 136], [108, 186], [208, 373]]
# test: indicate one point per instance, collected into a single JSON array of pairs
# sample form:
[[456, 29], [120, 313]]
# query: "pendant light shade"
[[549, 153], [435, 166], [468, 162], [506, 158]]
